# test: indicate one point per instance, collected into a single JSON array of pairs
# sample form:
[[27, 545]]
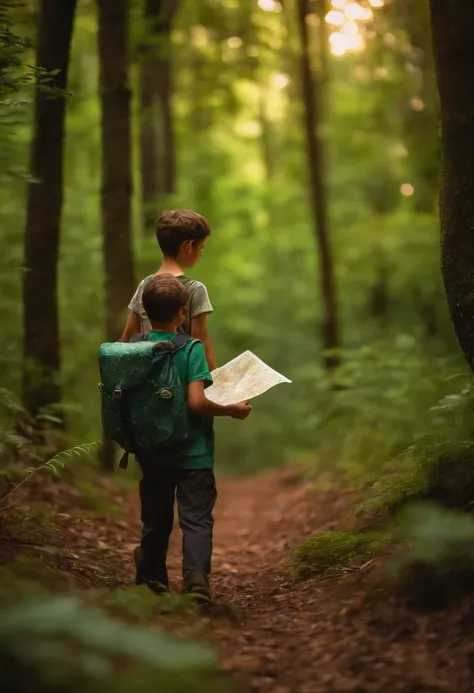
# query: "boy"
[[181, 235], [185, 470]]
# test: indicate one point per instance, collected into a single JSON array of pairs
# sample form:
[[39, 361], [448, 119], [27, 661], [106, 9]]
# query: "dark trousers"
[[195, 491]]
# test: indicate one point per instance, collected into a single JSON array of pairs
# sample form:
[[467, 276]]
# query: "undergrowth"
[[435, 565], [88, 641], [141, 604], [56, 644], [437, 466], [386, 398]]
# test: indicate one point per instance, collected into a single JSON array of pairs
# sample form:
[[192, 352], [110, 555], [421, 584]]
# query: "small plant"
[[334, 551], [54, 464]]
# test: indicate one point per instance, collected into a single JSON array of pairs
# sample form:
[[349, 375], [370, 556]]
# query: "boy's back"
[[192, 367], [198, 302]]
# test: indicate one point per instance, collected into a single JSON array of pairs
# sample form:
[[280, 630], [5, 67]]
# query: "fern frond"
[[56, 463]]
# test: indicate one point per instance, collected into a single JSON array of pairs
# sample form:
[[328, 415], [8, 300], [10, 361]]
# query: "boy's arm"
[[132, 327], [199, 331], [198, 402]]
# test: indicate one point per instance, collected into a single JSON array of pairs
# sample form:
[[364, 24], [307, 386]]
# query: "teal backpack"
[[143, 400]]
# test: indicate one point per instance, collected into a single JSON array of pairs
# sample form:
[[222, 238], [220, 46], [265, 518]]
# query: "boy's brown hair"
[[175, 226], [163, 297]]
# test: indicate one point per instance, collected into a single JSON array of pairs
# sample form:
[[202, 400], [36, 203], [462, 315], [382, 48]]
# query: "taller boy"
[[181, 235]]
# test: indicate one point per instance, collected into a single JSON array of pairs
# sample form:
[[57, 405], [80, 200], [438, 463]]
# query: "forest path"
[[346, 635]]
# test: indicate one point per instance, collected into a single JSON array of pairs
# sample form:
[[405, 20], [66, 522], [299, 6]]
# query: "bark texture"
[[41, 348], [453, 47], [157, 147], [318, 190]]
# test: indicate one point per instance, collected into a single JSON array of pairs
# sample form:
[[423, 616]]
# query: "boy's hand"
[[240, 410]]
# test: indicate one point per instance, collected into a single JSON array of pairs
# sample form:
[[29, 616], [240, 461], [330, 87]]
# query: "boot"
[[197, 583], [156, 587]]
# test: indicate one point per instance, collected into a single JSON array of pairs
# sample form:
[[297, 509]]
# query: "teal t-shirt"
[[198, 451]]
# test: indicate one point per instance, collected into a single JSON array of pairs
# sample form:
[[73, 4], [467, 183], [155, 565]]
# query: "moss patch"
[[446, 477], [334, 551]]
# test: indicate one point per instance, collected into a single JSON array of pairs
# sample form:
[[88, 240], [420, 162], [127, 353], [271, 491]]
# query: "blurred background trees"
[[281, 122]]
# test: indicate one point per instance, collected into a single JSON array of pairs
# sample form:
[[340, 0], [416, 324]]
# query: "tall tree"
[[164, 91], [41, 346], [148, 133], [116, 170], [318, 189], [157, 149], [454, 62]]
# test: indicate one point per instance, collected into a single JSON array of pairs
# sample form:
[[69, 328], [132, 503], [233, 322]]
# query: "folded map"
[[241, 379]]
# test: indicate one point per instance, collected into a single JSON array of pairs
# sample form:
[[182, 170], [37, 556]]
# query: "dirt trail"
[[345, 636]]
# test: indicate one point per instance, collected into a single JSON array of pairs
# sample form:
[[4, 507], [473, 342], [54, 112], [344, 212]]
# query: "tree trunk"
[[200, 123], [318, 192], [165, 96], [454, 62], [148, 149], [41, 348], [116, 170], [156, 92]]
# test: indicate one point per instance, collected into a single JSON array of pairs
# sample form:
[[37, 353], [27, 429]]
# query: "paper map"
[[241, 379]]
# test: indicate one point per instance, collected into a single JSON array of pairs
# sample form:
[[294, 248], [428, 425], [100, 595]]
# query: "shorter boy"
[[185, 470]]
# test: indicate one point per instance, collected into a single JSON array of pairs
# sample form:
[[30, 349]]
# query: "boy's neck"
[[171, 265], [165, 327]]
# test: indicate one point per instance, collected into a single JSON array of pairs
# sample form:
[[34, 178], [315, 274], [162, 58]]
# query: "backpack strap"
[[181, 340]]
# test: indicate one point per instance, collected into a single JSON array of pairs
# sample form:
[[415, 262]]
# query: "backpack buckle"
[[117, 393]]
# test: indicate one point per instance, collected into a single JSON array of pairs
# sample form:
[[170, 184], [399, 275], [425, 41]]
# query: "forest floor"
[[340, 635]]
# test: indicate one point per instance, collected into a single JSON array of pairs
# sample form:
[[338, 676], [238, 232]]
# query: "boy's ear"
[[185, 247]]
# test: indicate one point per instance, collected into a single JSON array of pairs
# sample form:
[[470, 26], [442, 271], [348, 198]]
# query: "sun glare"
[[234, 42], [349, 19], [281, 80], [269, 5], [334, 17]]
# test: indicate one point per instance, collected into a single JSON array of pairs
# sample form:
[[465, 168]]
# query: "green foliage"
[[140, 603], [58, 645], [335, 551], [437, 465], [16, 77], [436, 565], [384, 397]]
